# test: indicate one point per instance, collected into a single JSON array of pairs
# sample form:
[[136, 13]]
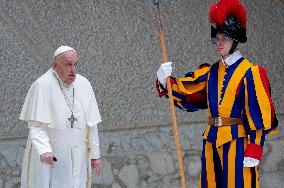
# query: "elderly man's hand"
[[97, 165], [47, 158]]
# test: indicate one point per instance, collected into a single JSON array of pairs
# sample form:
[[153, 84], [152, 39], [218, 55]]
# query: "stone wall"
[[119, 53], [146, 158]]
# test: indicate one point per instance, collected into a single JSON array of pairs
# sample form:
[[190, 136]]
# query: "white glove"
[[250, 162], [164, 71]]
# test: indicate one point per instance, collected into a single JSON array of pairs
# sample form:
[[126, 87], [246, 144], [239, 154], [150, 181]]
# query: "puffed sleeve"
[[259, 110], [189, 93]]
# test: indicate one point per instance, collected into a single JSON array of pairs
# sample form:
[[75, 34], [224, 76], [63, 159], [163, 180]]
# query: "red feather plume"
[[220, 11]]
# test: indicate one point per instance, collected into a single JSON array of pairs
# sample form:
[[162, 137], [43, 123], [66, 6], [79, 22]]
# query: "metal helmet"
[[229, 18]]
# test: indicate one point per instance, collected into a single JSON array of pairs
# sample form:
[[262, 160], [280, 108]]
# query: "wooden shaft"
[[163, 46], [172, 107]]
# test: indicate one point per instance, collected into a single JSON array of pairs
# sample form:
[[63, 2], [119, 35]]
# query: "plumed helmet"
[[229, 18]]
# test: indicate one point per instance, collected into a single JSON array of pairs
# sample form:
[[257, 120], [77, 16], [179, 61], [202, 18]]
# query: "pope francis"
[[62, 115]]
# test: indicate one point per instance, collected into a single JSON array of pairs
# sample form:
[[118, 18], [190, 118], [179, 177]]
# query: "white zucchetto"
[[61, 50]]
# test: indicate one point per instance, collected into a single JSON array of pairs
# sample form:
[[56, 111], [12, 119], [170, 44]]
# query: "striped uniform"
[[241, 90]]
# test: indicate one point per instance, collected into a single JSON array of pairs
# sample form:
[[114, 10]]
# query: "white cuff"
[[39, 137], [94, 143], [250, 162]]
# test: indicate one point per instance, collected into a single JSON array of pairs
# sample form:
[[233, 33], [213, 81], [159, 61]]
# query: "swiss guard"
[[237, 95]]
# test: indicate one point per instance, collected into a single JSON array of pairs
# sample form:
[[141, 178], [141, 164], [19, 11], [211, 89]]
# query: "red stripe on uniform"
[[266, 86]]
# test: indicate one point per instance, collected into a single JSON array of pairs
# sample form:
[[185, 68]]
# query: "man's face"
[[224, 44], [66, 66]]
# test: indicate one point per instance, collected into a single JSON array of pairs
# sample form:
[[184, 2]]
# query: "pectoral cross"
[[72, 119]]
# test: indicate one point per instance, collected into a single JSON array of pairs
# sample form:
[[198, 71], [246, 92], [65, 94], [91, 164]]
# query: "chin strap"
[[234, 46]]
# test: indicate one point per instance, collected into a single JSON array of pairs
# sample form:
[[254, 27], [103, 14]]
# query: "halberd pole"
[[172, 107]]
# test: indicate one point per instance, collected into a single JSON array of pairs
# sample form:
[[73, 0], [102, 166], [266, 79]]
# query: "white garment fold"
[[39, 137], [94, 143]]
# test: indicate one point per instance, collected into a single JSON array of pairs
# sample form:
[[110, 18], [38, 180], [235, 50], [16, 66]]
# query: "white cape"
[[46, 103]]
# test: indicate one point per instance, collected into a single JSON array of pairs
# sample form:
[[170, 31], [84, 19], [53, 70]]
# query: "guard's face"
[[66, 66], [223, 44]]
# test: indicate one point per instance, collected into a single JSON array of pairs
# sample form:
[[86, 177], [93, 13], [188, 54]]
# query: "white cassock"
[[47, 111]]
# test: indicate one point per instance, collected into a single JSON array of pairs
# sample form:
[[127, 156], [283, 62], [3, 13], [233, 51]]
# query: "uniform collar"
[[232, 58]]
